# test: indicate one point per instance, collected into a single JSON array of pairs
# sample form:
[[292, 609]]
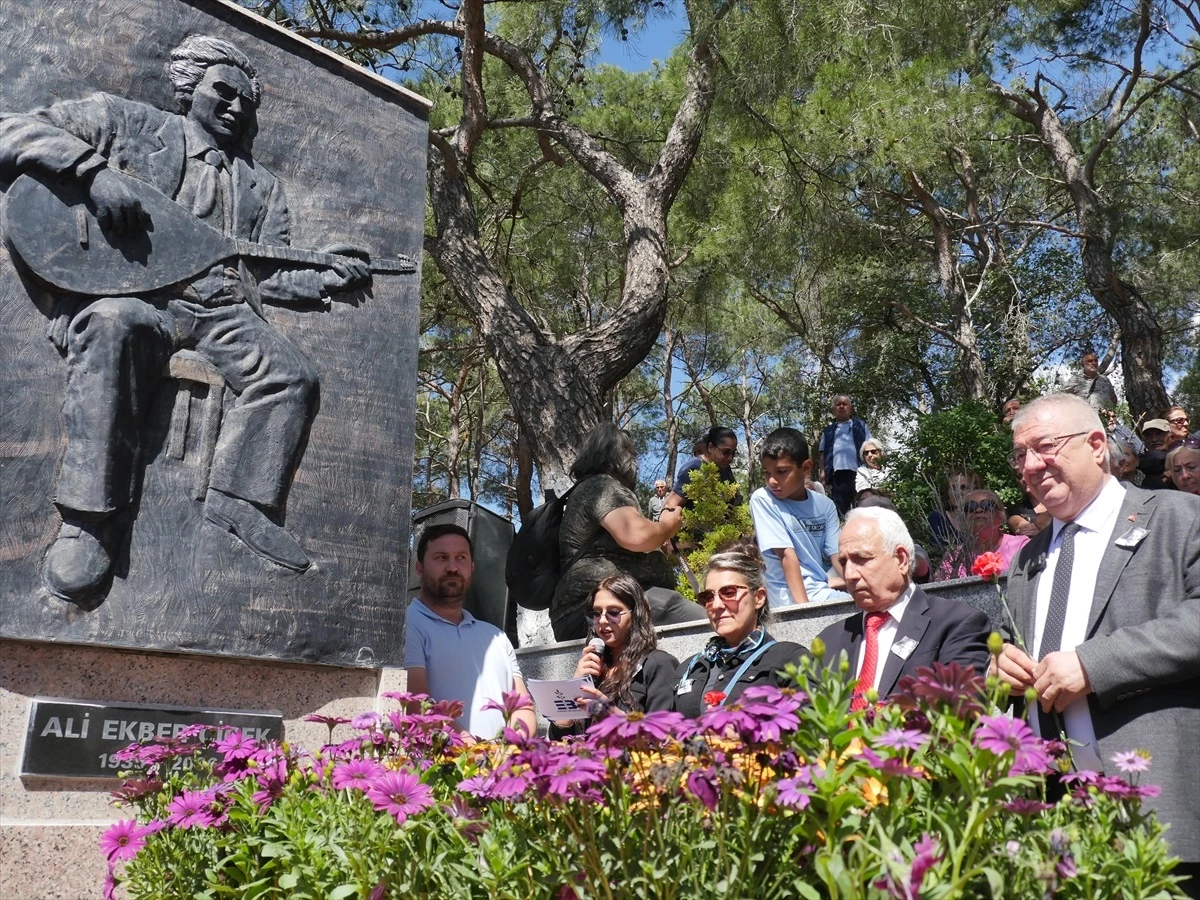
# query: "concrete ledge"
[[798, 623]]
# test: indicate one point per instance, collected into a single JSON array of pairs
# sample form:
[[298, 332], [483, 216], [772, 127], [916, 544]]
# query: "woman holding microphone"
[[622, 658]]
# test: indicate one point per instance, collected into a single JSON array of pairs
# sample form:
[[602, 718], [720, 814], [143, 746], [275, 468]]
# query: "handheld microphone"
[[596, 645]]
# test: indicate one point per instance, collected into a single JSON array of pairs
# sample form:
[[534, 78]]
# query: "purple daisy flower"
[[330, 721], [110, 886], [358, 773], [902, 739], [122, 840], [451, 709], [135, 789], [1133, 761], [719, 719], [365, 720], [408, 702], [467, 819], [625, 730], [794, 792], [952, 686], [1025, 806], [568, 774], [236, 746], [192, 809], [702, 783], [1001, 735], [400, 794], [510, 702]]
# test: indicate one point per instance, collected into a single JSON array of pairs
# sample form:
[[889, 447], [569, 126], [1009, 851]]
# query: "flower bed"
[[784, 794]]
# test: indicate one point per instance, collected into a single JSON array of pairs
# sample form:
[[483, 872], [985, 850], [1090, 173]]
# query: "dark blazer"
[[1142, 647], [765, 670], [652, 690], [945, 630]]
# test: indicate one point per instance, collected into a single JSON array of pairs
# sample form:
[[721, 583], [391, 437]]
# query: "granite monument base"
[[50, 827]]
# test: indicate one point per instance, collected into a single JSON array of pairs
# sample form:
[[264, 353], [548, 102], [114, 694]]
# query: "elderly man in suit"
[[1108, 603], [116, 347], [900, 628]]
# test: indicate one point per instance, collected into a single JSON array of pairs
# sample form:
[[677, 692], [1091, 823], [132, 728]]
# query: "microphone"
[[596, 645]]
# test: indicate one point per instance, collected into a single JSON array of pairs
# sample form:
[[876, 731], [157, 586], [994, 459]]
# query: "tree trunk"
[[669, 405], [1141, 334]]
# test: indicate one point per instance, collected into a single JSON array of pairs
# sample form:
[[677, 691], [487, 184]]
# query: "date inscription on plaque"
[[76, 739]]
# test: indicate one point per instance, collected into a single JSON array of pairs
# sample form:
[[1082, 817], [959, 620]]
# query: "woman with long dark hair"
[[604, 533], [741, 652], [630, 672]]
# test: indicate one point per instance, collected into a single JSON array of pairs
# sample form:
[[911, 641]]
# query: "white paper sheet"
[[555, 700]]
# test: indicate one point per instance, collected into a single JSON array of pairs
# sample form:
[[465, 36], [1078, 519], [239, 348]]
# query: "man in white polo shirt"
[[449, 654]]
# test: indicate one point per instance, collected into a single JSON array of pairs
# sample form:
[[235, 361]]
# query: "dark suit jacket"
[[1142, 647], [765, 670], [946, 631]]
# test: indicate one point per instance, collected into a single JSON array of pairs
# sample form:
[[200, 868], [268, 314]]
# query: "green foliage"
[[966, 437], [713, 520]]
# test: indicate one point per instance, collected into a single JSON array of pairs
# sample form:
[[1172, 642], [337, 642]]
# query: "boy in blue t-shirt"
[[797, 529]]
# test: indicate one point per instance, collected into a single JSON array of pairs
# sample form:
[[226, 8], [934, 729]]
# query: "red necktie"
[[866, 677]]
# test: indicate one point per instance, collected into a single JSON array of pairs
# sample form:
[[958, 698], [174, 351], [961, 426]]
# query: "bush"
[[783, 794], [964, 437], [711, 522]]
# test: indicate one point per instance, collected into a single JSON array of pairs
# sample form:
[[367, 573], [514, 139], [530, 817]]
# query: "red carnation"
[[714, 698], [988, 565]]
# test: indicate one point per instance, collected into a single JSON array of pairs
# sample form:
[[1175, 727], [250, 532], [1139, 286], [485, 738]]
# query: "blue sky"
[[654, 42]]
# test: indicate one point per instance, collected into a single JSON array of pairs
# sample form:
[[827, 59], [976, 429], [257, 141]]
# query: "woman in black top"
[[604, 532], [741, 653], [630, 673]]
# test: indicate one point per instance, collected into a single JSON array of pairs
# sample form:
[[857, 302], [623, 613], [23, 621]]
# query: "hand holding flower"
[[1060, 680]]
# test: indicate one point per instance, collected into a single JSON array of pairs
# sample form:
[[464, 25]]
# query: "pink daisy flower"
[[122, 840], [400, 794]]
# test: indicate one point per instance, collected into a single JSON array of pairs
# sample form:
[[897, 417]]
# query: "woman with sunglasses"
[[981, 525], [1183, 465], [630, 673], [740, 653], [870, 474]]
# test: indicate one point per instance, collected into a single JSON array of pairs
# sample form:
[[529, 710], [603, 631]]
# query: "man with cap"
[[1152, 460], [1108, 603]]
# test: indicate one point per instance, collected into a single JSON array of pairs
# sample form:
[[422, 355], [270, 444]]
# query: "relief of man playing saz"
[[143, 221]]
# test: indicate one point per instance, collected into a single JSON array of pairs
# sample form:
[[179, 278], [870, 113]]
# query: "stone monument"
[[209, 292], [207, 425]]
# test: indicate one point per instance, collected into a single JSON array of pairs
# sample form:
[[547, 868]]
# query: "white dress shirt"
[[887, 634], [1096, 524]]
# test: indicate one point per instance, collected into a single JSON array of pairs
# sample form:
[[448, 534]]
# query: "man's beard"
[[446, 588]]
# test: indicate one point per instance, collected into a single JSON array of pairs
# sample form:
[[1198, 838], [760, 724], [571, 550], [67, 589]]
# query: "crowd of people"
[[1103, 583]]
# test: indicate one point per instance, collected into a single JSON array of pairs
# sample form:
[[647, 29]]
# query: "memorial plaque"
[[71, 739], [208, 301]]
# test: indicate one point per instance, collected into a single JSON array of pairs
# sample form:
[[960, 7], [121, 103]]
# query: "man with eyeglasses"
[[900, 628], [1107, 605]]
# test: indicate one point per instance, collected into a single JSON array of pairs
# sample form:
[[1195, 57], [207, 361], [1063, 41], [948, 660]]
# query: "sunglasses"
[[1182, 420], [1191, 443], [612, 616], [981, 506], [730, 594]]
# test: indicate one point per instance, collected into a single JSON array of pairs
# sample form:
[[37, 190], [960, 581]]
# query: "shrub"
[[711, 522], [783, 794]]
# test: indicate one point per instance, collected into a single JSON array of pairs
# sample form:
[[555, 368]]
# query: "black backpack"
[[533, 567]]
